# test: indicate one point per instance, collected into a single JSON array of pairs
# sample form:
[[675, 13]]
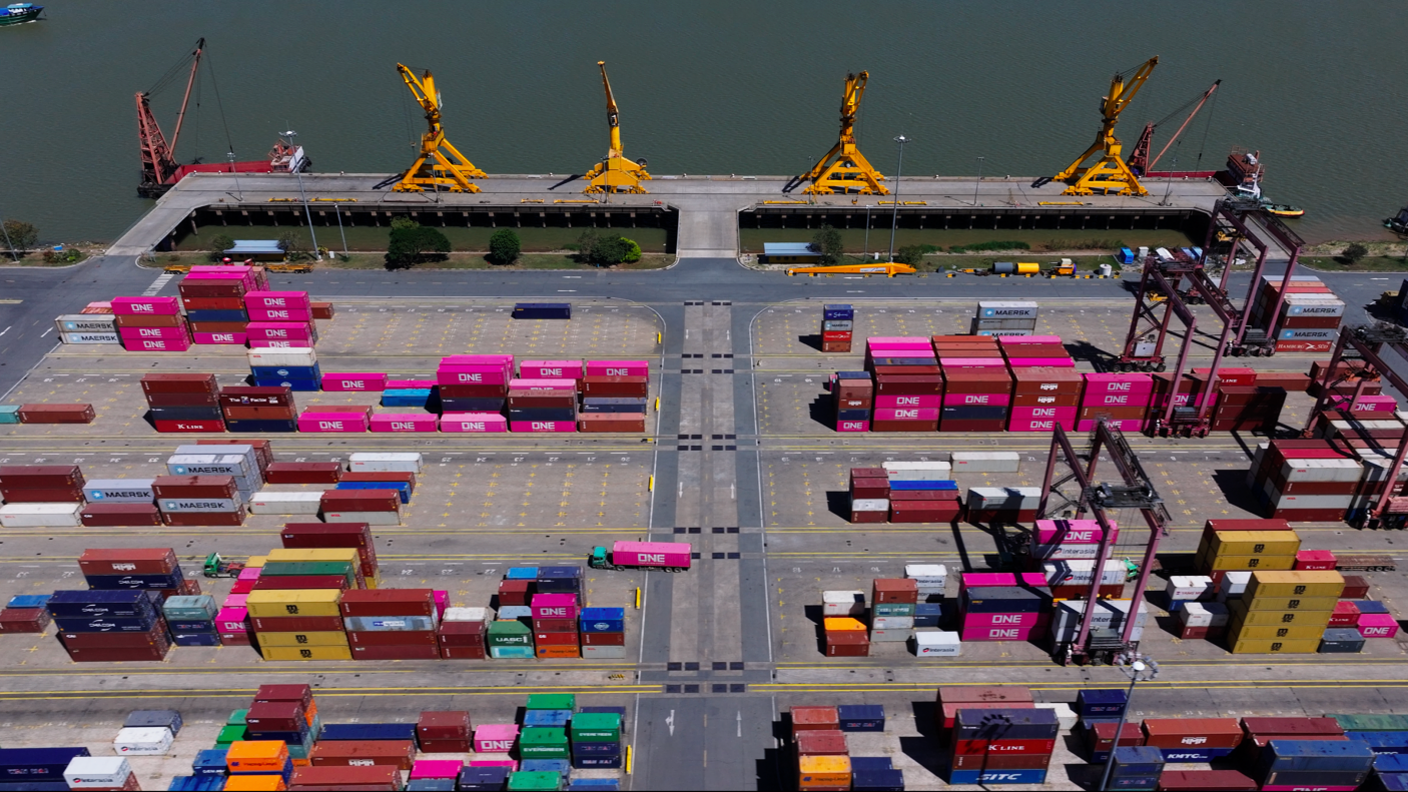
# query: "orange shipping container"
[[247, 756], [823, 771]]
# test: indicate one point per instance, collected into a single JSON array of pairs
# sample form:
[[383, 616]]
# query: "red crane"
[[158, 158]]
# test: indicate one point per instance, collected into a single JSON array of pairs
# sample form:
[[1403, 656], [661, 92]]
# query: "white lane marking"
[[46, 332], [670, 721], [740, 723], [6, 330], [157, 284]]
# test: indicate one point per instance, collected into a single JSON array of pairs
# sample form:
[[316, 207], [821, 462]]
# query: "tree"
[[504, 246], [403, 222], [22, 236], [411, 245], [632, 251], [913, 255], [827, 242], [219, 244], [1354, 253], [602, 250], [292, 246]]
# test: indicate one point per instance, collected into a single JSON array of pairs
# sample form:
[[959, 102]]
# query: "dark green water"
[[717, 87]]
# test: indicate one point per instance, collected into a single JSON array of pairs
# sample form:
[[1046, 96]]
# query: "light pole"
[[867, 231], [979, 182], [895, 215], [230, 155], [1139, 668], [307, 214], [338, 209]]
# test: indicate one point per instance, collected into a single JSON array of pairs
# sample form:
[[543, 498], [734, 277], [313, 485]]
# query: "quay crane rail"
[[1109, 172], [615, 173], [455, 170], [844, 168]]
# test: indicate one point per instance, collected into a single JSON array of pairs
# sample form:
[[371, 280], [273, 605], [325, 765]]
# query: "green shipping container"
[[596, 727], [543, 742], [539, 780], [1371, 722], [291, 568], [893, 609], [552, 701], [230, 734], [237, 717], [9, 413], [510, 633]]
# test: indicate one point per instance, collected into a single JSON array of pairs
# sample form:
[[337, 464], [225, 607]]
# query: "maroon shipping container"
[[149, 320], [402, 477], [1101, 736], [299, 693], [1017, 696], [303, 473], [917, 511], [615, 386], [211, 303], [556, 639], [847, 643], [909, 384], [902, 590], [993, 425], [259, 413], [466, 391], [179, 383], [445, 746], [357, 779], [554, 625], [295, 623], [213, 487], [1355, 587], [206, 426], [321, 310], [213, 289], [1003, 747], [156, 636], [532, 398], [153, 652], [611, 422], [17, 494], [1287, 727], [476, 652], [443, 725], [256, 396], [45, 476], [905, 426], [1184, 732], [361, 500], [603, 639], [393, 638], [870, 489], [1046, 379], [189, 519], [182, 400], [1201, 780], [463, 628], [948, 496], [23, 620], [819, 742], [400, 652], [217, 327], [133, 561], [294, 582], [513, 592], [1001, 762], [276, 716], [389, 602], [870, 516]]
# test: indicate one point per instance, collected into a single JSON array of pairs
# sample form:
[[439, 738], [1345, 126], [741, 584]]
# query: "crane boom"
[[613, 115], [1110, 172], [614, 173], [844, 168], [455, 170], [1185, 123], [159, 157]]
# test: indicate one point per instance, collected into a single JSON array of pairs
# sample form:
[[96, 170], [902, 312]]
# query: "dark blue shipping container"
[[561, 572], [309, 385], [191, 626], [1395, 782], [210, 762], [28, 601], [974, 413], [857, 414], [1392, 743], [312, 372], [862, 717], [931, 485], [558, 586], [588, 762], [592, 785], [1312, 779], [602, 625], [868, 763], [260, 427], [928, 614], [877, 780], [484, 778], [431, 785], [217, 315], [1391, 763], [404, 487], [290, 737], [368, 731], [1005, 724], [613, 404], [1101, 703], [547, 718], [195, 639], [34, 786], [93, 604], [154, 719], [853, 375], [118, 624], [997, 777], [36, 764], [186, 413], [493, 404], [1133, 783], [1371, 606], [1006, 599], [1315, 755], [193, 783], [838, 312], [128, 582], [1194, 754], [542, 414], [559, 766], [1138, 760], [542, 311], [596, 749]]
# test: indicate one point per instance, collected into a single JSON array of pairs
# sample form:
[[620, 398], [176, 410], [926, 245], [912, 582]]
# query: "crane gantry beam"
[[844, 168], [454, 170], [1109, 172], [615, 173]]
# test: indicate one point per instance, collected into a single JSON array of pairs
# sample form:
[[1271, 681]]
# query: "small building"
[[789, 253], [256, 249]]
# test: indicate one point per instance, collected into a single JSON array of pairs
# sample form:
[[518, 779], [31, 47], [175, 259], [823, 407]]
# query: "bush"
[[1354, 253], [22, 236], [997, 245], [219, 244], [913, 255], [66, 256], [827, 242], [403, 222], [602, 250], [632, 251], [292, 246], [413, 244], [504, 246]]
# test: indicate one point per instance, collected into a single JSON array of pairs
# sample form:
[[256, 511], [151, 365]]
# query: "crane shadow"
[[568, 180]]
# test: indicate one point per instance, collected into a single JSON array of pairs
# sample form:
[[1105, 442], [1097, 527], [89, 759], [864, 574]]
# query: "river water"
[[716, 87]]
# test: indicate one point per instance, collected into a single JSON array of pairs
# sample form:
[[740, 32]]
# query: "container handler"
[[664, 556]]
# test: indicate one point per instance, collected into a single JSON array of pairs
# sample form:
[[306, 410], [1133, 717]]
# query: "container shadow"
[[925, 751], [839, 503], [1084, 776], [147, 416], [1088, 352], [769, 771], [925, 716], [1075, 744], [1168, 624], [812, 340], [823, 410], [1234, 488]]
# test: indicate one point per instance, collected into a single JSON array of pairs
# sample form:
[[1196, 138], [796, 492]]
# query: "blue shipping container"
[[593, 785], [1194, 754], [217, 315], [1101, 703], [368, 731], [1138, 760], [191, 626], [997, 777], [36, 764], [121, 624], [521, 573], [185, 413], [134, 582], [588, 762], [403, 487], [309, 385], [210, 762], [862, 717], [260, 427], [28, 601], [1391, 763], [1139, 782], [1383, 742], [312, 372], [550, 718], [156, 719], [1006, 724], [192, 783], [431, 785], [931, 485], [492, 777], [1314, 755], [559, 766], [596, 748], [1394, 782], [878, 780]]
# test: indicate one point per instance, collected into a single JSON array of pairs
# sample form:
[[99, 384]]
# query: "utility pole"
[[895, 215], [979, 182], [1139, 668], [230, 155], [307, 214]]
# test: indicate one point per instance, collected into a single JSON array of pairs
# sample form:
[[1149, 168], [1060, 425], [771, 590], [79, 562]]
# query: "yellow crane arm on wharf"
[[615, 173], [455, 170], [1110, 171], [844, 168]]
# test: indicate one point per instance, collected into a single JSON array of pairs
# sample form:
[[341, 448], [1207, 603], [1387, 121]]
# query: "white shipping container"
[[97, 772], [603, 653], [986, 461], [1321, 470], [1078, 571], [1065, 716], [90, 338], [365, 462], [870, 505], [267, 502], [1006, 309], [40, 515], [1004, 497], [1188, 587], [937, 643], [843, 603], [933, 574], [1282, 501], [890, 636], [1064, 552], [144, 740], [1257, 455], [1377, 465], [370, 518], [283, 357], [1203, 614], [118, 491], [86, 323], [892, 623], [1234, 584], [465, 615]]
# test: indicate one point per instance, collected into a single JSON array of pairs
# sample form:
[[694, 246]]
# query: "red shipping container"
[[462, 652], [386, 500], [299, 693], [355, 534], [214, 487], [1184, 732], [134, 561], [188, 519], [513, 592], [153, 652], [814, 718], [398, 652], [467, 391], [1290, 728], [445, 725], [554, 625], [905, 426], [556, 639], [296, 582], [23, 620], [43, 476], [182, 400], [358, 753], [611, 422], [179, 383], [432, 746], [15, 494], [303, 473], [389, 602], [603, 639], [1001, 762], [392, 638], [994, 747], [1355, 587], [870, 517], [1202, 780], [256, 396], [187, 427], [276, 716], [615, 386], [362, 779], [848, 643], [820, 742], [900, 590]]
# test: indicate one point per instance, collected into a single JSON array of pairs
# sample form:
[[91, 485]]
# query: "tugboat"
[[1282, 210], [1398, 224], [19, 13]]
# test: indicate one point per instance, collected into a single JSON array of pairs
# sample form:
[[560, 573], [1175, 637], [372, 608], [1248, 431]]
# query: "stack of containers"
[[1122, 400], [822, 756], [845, 636], [1003, 504], [870, 495], [87, 329], [298, 624], [1096, 705], [258, 409], [258, 758], [1002, 746], [444, 732], [25, 613], [240, 461], [1260, 731], [1309, 315], [1265, 547], [949, 700], [603, 633], [191, 620], [509, 638], [977, 387], [214, 301], [370, 506], [909, 386], [151, 324], [1313, 764], [596, 740], [922, 492], [1283, 612], [892, 602], [184, 402], [288, 722], [138, 568], [555, 611], [1045, 397], [1305, 480], [280, 319], [416, 393], [1001, 606], [98, 626], [41, 495], [1100, 737], [474, 387], [1192, 739], [358, 382], [295, 368], [191, 500], [854, 393], [391, 624], [337, 535], [461, 633], [1067, 540], [1188, 394], [1071, 579], [1136, 767], [609, 386], [232, 620], [1005, 318], [536, 405], [837, 324]]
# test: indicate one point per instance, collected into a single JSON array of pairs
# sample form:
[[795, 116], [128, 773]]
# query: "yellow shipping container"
[[843, 624], [1284, 604], [373, 582], [314, 554], [1257, 543], [1326, 583], [294, 602], [823, 771], [1238, 632], [256, 562], [1275, 646], [306, 653], [1244, 563], [1269, 618], [302, 638]]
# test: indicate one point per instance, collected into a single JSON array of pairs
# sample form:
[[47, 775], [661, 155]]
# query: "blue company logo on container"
[[602, 626], [95, 495]]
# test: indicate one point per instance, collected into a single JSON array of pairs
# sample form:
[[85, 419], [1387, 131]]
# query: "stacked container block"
[[1002, 746], [1003, 606], [183, 402], [838, 321], [85, 328], [1005, 318], [1306, 318], [151, 324], [1283, 612], [391, 624], [41, 495]]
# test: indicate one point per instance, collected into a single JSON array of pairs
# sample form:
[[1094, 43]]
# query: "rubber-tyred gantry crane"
[[615, 173], [440, 164], [844, 168], [1110, 172]]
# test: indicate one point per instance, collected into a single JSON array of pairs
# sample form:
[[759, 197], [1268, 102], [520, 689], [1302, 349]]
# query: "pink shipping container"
[[1001, 633], [914, 343], [495, 738], [542, 426], [1072, 531], [1303, 787], [471, 375], [499, 359], [473, 423], [550, 369], [146, 306], [853, 426], [987, 579], [163, 333], [354, 382], [278, 299], [929, 401], [442, 601], [156, 344], [1005, 620], [280, 314], [992, 362], [1108, 399], [1186, 399], [394, 384], [234, 600], [908, 414], [267, 343], [977, 399], [1377, 625], [333, 422], [1127, 425], [231, 620], [1042, 419], [554, 606], [239, 339], [436, 768], [1131, 383], [1381, 403], [280, 331], [617, 368], [1047, 362], [651, 554], [404, 422]]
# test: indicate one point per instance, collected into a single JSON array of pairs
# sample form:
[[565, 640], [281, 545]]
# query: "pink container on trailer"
[[1377, 625], [1042, 419], [1051, 362], [912, 343], [1001, 633], [239, 339], [465, 374], [853, 426], [404, 422], [1126, 425], [274, 300], [356, 381], [550, 369], [1072, 531], [1007, 620], [957, 363], [927, 400], [146, 306], [231, 620], [280, 331], [1128, 383], [554, 606], [617, 368], [651, 554], [569, 385], [977, 399], [473, 423], [542, 426], [394, 384], [164, 333], [495, 738], [279, 314], [436, 768], [333, 422], [234, 600], [907, 414], [157, 344]]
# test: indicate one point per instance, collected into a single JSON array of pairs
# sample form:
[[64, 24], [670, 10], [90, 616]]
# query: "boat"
[[1398, 224], [1282, 210], [19, 13]]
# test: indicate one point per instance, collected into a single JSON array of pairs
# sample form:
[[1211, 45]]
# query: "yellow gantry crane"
[[615, 173], [1110, 172], [844, 168], [433, 169]]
